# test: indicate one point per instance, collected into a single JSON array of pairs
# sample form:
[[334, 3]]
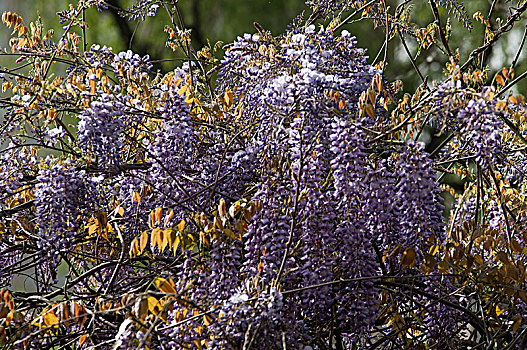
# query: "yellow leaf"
[[234, 208], [22, 42], [499, 80], [102, 222], [137, 197], [499, 311], [141, 308], [522, 295], [433, 250], [93, 86], [165, 286], [218, 223], [169, 217], [82, 339], [181, 226], [170, 235], [155, 238], [153, 305], [372, 96], [377, 82], [134, 248], [229, 98], [50, 319], [120, 211], [182, 90], [103, 233], [516, 246], [92, 228], [9, 318], [159, 214], [342, 104], [502, 256], [505, 73], [175, 245], [6, 85], [52, 114], [143, 241], [152, 219], [222, 208], [163, 240], [207, 320]]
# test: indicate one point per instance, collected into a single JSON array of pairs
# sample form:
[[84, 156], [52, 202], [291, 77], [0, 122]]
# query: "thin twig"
[[520, 49], [411, 58]]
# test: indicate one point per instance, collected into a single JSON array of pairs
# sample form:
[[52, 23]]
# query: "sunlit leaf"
[[499, 311], [165, 286], [222, 208], [164, 239], [170, 235], [207, 320], [229, 98], [169, 217], [182, 90], [137, 197], [433, 250], [143, 241], [134, 248], [50, 319], [156, 238], [175, 245], [153, 305], [82, 339], [500, 80], [9, 318], [181, 226]]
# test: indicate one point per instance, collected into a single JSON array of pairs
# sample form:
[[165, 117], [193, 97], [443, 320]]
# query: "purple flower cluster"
[[9, 256], [459, 10], [98, 56], [482, 128], [475, 120], [324, 203], [417, 201], [128, 60], [141, 9], [287, 207], [62, 197], [101, 130]]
